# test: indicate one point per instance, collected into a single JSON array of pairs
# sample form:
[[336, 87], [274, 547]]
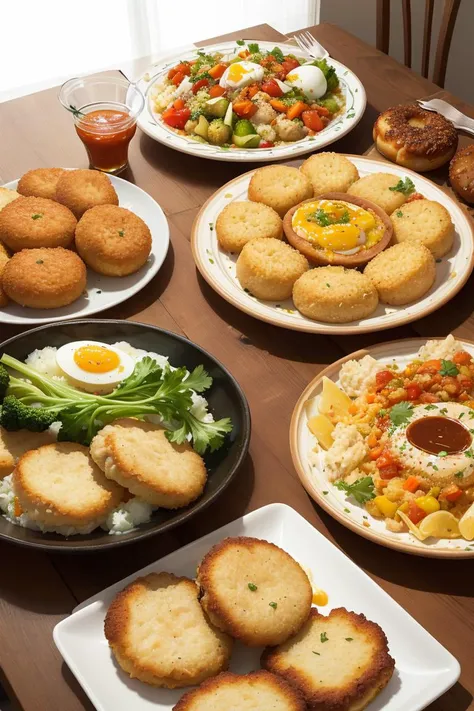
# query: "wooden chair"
[[448, 21]]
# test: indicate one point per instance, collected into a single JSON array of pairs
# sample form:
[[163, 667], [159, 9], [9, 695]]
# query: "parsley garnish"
[[443, 453], [469, 453], [278, 54], [435, 467], [40, 261], [459, 475], [211, 226], [328, 285], [325, 493], [461, 415], [349, 639], [36, 216], [430, 407], [323, 637], [401, 413], [240, 42], [362, 490], [252, 587], [444, 410], [448, 368], [406, 187], [253, 47], [399, 213], [75, 112], [273, 604], [318, 653], [382, 413], [121, 233], [324, 219], [347, 510]]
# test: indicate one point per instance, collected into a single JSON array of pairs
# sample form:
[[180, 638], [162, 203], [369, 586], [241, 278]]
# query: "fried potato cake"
[[159, 634], [254, 591], [339, 662], [7, 196], [59, 485], [4, 257], [14, 444], [80, 190], [40, 182], [31, 222], [139, 457], [257, 691], [112, 240]]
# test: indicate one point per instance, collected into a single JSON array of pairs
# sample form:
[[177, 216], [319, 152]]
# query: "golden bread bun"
[[426, 222], [461, 173]]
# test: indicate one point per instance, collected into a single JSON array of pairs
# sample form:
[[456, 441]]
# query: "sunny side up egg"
[[309, 79], [241, 74], [94, 366]]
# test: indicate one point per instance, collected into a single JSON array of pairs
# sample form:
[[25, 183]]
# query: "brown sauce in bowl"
[[439, 434]]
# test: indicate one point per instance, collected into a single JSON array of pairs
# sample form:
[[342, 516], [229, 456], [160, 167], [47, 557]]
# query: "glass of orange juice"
[[105, 109]]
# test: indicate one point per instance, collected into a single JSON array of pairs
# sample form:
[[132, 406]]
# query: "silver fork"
[[460, 120], [308, 44]]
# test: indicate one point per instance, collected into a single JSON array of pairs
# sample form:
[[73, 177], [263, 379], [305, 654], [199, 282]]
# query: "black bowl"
[[225, 397]]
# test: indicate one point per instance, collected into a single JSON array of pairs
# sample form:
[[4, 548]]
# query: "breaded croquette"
[[31, 222], [14, 444], [40, 182], [241, 221], [80, 190]]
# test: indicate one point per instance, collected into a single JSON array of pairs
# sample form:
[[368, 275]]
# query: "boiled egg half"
[[309, 79], [93, 366], [241, 74]]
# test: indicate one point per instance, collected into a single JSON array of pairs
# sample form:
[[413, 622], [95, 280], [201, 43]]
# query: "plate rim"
[[228, 156], [25, 321], [312, 490], [199, 505], [319, 327]]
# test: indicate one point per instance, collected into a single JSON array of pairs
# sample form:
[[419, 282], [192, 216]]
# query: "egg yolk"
[[237, 72], [96, 359]]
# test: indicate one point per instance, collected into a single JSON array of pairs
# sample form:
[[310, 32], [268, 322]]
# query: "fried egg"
[[241, 74], [94, 366], [309, 79]]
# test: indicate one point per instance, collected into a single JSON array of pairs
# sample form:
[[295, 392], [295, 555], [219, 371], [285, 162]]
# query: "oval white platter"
[[157, 129], [219, 268], [335, 502], [103, 292]]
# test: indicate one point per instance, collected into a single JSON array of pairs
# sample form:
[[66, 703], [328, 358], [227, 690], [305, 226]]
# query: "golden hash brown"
[[329, 172], [257, 691], [339, 662], [14, 444], [280, 187], [254, 591], [82, 189], [377, 188], [240, 221], [402, 273], [30, 222], [40, 182], [160, 635], [426, 222]]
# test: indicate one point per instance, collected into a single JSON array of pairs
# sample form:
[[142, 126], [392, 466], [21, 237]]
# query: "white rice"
[[440, 349]]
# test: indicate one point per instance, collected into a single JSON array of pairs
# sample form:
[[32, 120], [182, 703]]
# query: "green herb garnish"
[[36, 216], [318, 653], [430, 407], [399, 213], [253, 47], [459, 475], [324, 219], [278, 54], [448, 368], [362, 490], [273, 604], [323, 637], [406, 187], [240, 42], [121, 233], [444, 410], [252, 587], [469, 453], [443, 453], [349, 639], [75, 112], [401, 413], [40, 261]]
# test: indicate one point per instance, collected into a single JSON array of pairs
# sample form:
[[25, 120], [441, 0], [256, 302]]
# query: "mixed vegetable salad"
[[248, 98]]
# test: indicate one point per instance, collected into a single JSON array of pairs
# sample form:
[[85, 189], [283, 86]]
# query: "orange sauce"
[[106, 134]]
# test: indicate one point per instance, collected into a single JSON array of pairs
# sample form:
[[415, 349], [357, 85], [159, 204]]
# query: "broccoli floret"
[[14, 415], [4, 381], [218, 133], [330, 103], [329, 72]]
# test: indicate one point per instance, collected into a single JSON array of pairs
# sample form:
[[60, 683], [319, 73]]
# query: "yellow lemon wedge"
[[440, 524], [322, 429], [333, 400], [411, 526], [466, 524], [311, 407]]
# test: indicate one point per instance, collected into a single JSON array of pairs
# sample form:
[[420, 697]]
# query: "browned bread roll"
[[461, 173]]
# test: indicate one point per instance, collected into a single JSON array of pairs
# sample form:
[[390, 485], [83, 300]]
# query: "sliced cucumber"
[[217, 106], [202, 128], [228, 115], [249, 141]]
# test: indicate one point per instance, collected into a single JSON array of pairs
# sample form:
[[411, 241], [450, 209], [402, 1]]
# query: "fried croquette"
[[82, 189], [268, 268], [44, 278], [112, 240], [239, 222], [7, 196], [40, 182], [339, 662], [256, 691], [4, 258], [14, 444], [426, 222], [160, 635], [59, 485], [335, 295], [138, 456], [378, 187], [402, 273], [280, 187], [254, 591], [31, 222], [329, 173]]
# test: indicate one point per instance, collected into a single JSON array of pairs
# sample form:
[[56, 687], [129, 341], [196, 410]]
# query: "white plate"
[[103, 292], [353, 515], [218, 267], [355, 107], [424, 669]]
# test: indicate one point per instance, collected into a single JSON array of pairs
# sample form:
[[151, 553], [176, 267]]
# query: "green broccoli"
[[330, 103], [4, 381], [218, 133], [14, 415], [329, 72]]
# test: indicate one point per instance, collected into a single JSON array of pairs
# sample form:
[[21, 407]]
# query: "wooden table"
[[272, 365]]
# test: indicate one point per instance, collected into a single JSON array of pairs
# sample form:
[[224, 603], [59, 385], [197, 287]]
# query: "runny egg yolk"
[[96, 359], [237, 72]]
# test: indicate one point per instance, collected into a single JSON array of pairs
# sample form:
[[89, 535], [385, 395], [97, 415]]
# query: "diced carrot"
[[179, 104], [313, 120], [370, 397], [244, 53], [372, 440], [244, 108], [296, 110], [279, 105], [322, 110], [253, 89], [216, 90], [375, 453], [462, 358], [217, 71], [411, 484], [430, 366], [451, 493], [352, 409], [17, 510]]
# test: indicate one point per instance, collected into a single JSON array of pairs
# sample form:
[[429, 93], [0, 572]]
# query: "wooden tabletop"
[[272, 365]]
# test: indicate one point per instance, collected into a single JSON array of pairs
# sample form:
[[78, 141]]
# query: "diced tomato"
[[199, 85], [266, 144], [178, 104], [312, 120], [217, 71], [252, 90], [451, 493], [462, 358], [375, 453], [271, 88], [428, 398], [178, 78], [288, 64], [430, 366], [389, 472], [181, 68], [415, 196], [216, 90], [415, 514], [382, 378], [245, 108], [384, 460], [413, 391], [464, 382], [176, 117], [322, 110]]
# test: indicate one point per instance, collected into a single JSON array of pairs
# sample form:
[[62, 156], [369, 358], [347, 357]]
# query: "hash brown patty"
[[4, 258], [241, 221], [426, 222], [82, 189], [159, 634], [14, 444], [254, 591], [40, 182], [138, 456], [257, 691], [280, 187], [30, 222], [339, 662], [379, 188]]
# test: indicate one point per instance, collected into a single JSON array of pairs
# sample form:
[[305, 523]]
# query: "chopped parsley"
[[469, 453], [253, 47], [401, 413], [406, 187], [211, 226], [461, 415], [328, 285], [121, 233], [444, 410], [40, 261], [349, 639], [324, 219], [273, 604], [239, 42], [435, 467], [362, 490], [252, 587], [325, 493], [448, 368], [277, 53], [382, 413], [347, 510], [399, 213], [323, 637], [459, 475], [36, 216], [443, 453], [318, 653], [430, 407]]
